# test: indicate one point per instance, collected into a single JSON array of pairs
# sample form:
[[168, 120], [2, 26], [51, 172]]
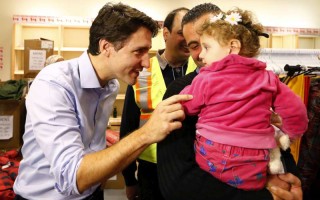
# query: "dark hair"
[[115, 23], [168, 22], [198, 11]]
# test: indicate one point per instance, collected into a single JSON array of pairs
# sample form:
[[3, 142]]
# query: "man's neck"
[[96, 63], [172, 61]]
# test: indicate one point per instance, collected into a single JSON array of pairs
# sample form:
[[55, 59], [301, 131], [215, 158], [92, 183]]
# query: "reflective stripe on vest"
[[149, 91]]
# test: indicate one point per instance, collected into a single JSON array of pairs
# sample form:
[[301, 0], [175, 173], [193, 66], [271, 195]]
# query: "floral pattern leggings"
[[240, 167]]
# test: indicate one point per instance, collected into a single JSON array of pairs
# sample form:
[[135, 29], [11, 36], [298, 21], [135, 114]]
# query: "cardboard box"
[[115, 182], [12, 120], [36, 51]]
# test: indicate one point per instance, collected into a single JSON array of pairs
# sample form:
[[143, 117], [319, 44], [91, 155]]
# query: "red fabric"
[[4, 160], [307, 80], [9, 163], [112, 137]]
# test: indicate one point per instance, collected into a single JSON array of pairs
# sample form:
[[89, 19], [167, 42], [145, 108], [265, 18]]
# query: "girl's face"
[[212, 51]]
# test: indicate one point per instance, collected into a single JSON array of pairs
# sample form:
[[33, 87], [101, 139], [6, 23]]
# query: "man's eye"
[[194, 46], [140, 51]]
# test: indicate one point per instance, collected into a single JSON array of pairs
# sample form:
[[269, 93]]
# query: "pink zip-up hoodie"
[[233, 97]]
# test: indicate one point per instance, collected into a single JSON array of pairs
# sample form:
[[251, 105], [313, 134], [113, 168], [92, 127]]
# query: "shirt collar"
[[163, 63], [197, 70], [88, 77]]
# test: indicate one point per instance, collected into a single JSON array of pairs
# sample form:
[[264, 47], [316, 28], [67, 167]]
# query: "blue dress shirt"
[[67, 116]]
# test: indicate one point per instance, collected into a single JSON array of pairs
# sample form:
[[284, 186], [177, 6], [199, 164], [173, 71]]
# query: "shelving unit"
[[22, 32], [74, 41], [119, 105], [70, 41], [291, 41], [308, 42]]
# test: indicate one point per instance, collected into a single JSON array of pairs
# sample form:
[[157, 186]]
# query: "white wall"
[[282, 13]]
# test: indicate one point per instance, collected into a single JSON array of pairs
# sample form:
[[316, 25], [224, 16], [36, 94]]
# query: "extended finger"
[[176, 99], [174, 125], [280, 194], [177, 115], [274, 180]]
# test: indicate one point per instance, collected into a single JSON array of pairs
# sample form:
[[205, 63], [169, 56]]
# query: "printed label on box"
[[37, 58], [46, 44], [6, 127]]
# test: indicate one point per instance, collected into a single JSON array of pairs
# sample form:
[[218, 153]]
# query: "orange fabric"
[[138, 93], [300, 86], [145, 116]]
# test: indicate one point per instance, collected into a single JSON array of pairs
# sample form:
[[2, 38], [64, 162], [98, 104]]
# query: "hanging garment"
[[309, 158], [299, 87]]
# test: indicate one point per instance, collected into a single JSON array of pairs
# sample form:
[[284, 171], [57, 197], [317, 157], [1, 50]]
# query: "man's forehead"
[[144, 38], [202, 19], [190, 29]]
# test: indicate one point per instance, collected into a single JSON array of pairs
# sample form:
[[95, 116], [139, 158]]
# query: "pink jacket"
[[233, 98]]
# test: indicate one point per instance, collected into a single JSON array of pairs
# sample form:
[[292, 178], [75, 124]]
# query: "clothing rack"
[[277, 59], [296, 70]]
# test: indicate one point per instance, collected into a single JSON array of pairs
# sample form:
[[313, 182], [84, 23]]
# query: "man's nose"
[[145, 62]]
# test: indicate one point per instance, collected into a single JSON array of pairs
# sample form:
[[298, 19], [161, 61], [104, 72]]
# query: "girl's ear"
[[235, 46]]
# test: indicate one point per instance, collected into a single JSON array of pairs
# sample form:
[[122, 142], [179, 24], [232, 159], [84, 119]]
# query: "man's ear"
[[235, 46], [105, 47], [165, 33]]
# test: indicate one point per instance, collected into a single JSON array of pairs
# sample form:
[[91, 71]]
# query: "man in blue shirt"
[[68, 107]]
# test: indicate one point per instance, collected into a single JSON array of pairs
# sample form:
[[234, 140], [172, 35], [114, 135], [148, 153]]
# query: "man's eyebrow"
[[192, 42], [142, 48]]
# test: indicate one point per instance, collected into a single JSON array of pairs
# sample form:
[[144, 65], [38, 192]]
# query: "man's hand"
[[276, 120], [165, 118], [285, 187]]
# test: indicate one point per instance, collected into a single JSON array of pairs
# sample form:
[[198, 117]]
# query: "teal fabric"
[[12, 89]]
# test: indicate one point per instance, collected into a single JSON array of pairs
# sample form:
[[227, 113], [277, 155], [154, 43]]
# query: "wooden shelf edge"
[[18, 72], [121, 96], [73, 49], [115, 121], [22, 48]]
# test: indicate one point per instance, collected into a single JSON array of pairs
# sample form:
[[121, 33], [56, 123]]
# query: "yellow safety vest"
[[149, 91]]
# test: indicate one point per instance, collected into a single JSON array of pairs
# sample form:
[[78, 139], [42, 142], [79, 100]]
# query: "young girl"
[[233, 95]]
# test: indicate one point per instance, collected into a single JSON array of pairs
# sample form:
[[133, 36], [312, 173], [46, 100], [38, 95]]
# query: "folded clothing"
[[9, 165]]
